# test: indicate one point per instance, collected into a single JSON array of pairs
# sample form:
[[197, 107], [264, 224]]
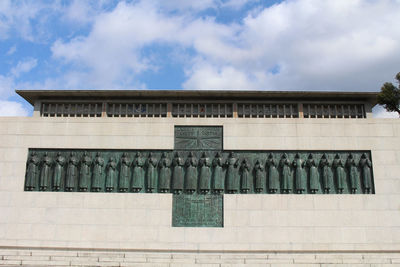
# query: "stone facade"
[[53, 228]]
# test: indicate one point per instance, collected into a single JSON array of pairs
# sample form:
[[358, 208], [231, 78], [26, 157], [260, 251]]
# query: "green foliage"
[[389, 96]]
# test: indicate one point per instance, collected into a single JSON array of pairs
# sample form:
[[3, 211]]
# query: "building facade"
[[333, 197]]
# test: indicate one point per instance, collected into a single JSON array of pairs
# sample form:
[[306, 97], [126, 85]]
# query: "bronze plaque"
[[198, 137], [197, 211]]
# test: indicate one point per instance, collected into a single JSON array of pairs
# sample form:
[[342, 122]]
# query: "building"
[[313, 179]]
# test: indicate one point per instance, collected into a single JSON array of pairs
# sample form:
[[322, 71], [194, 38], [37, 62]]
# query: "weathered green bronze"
[[197, 210], [200, 172], [198, 137]]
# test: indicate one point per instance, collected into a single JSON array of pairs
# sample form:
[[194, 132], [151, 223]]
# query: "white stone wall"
[[265, 222]]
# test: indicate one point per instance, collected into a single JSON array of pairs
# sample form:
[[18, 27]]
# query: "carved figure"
[[273, 174], [98, 173], [138, 172], [191, 174], [151, 175], [298, 165], [84, 178], [45, 172], [72, 173], [245, 176], [177, 175], [366, 165], [326, 175], [286, 173], [111, 175], [32, 171], [165, 173], [353, 173], [313, 174], [218, 175], [205, 173], [232, 181], [58, 172], [124, 174], [340, 174], [259, 177]]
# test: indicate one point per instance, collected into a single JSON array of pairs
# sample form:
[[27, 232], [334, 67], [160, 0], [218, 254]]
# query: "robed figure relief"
[[72, 173], [245, 176], [273, 174], [177, 174], [84, 177], [365, 165], [191, 173], [259, 183], [151, 174], [325, 172], [98, 173], [138, 173], [124, 173], [312, 174], [205, 174], [164, 181], [44, 183], [32, 171], [353, 173], [111, 175], [340, 173], [232, 181], [218, 174], [298, 165], [58, 172], [286, 173]]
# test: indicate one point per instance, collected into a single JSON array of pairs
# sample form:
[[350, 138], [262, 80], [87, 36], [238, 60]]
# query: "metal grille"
[[268, 111], [202, 110], [334, 111], [136, 110], [71, 109]]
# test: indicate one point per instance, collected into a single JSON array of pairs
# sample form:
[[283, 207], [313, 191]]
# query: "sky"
[[292, 45]]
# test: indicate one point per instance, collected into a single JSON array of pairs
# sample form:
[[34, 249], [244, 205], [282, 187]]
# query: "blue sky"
[[335, 45]]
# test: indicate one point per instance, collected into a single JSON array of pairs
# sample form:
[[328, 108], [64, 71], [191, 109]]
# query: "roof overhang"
[[34, 95]]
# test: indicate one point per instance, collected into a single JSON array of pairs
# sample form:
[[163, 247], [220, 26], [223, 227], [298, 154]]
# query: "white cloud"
[[316, 45], [319, 45], [12, 50], [11, 108], [17, 15], [379, 112], [6, 85], [23, 67], [110, 54]]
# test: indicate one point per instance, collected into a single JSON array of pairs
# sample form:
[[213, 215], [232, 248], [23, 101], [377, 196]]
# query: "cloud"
[[17, 16], [337, 45], [319, 45], [111, 54], [11, 108], [23, 67], [379, 112], [12, 50]]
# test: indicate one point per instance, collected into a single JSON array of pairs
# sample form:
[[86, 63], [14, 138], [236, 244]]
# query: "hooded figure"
[[273, 174], [177, 174], [218, 175], [366, 165], [151, 175], [286, 173], [124, 173], [191, 174], [205, 173], [165, 173]]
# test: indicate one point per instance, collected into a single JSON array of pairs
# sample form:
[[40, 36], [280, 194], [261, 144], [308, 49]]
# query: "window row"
[[203, 110], [333, 111]]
